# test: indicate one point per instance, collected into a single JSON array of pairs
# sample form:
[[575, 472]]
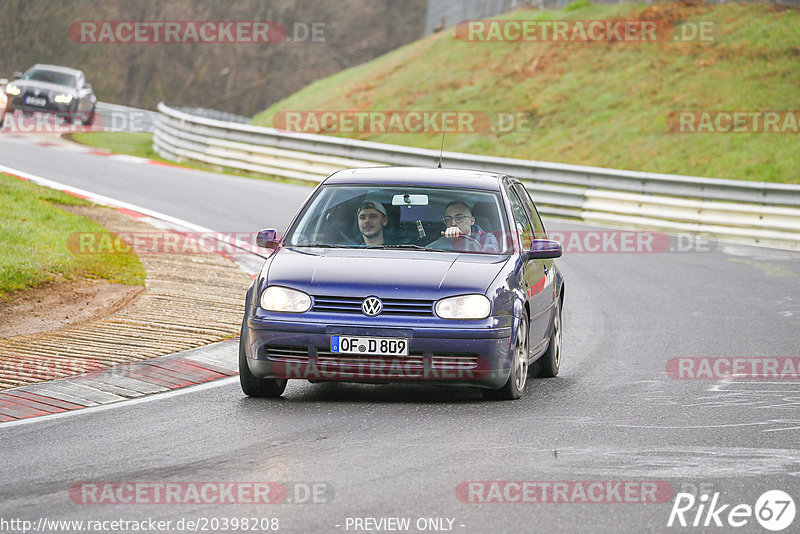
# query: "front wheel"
[[515, 385], [88, 120], [253, 386]]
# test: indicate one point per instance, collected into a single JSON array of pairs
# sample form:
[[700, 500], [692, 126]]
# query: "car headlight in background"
[[463, 307], [63, 99], [283, 299], [13, 90]]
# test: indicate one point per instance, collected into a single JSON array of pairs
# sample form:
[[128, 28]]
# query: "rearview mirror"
[[542, 249], [410, 200], [17, 75], [268, 238]]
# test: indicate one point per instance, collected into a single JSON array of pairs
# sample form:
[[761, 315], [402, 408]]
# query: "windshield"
[[395, 216], [51, 76]]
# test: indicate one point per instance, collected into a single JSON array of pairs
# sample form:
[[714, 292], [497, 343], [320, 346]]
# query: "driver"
[[459, 221], [372, 220]]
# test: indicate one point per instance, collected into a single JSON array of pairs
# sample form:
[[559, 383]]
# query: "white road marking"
[[121, 404]]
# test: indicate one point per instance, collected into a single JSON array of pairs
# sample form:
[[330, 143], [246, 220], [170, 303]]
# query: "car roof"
[[57, 68], [418, 176]]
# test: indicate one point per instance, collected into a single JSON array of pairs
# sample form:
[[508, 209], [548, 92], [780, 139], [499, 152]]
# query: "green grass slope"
[[35, 232], [603, 104]]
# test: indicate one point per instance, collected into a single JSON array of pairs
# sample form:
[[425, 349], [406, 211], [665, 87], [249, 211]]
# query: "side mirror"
[[87, 86], [268, 238], [542, 249], [17, 75]]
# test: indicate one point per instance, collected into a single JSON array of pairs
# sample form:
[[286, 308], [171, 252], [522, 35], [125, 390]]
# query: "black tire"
[[515, 385], [549, 364], [89, 120], [253, 386]]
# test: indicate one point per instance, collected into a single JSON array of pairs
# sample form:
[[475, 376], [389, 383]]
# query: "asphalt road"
[[613, 414]]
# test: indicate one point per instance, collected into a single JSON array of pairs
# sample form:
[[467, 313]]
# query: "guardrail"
[[753, 212]]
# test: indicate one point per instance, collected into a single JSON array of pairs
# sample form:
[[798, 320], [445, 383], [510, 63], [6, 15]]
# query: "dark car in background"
[[52, 89], [367, 285]]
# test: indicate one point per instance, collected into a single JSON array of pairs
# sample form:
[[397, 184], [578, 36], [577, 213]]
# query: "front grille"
[[453, 361], [391, 364], [352, 305], [282, 353]]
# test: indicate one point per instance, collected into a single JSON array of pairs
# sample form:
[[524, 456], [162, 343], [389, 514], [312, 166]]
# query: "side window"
[[521, 221], [538, 227]]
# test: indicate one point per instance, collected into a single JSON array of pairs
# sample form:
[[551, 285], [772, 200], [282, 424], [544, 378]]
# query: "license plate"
[[35, 101], [382, 346]]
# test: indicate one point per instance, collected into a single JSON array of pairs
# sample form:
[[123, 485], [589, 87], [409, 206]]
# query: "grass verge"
[[34, 232]]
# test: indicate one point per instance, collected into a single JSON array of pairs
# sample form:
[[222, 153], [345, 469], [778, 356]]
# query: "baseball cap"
[[370, 203]]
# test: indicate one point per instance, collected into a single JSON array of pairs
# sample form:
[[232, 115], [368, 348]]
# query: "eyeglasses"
[[458, 218]]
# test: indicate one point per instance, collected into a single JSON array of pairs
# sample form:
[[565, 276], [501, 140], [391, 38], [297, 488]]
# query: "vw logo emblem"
[[371, 306]]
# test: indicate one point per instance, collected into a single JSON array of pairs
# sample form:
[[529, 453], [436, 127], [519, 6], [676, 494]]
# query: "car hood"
[[44, 87], [384, 273]]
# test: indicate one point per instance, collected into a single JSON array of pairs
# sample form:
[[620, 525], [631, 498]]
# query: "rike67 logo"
[[774, 510]]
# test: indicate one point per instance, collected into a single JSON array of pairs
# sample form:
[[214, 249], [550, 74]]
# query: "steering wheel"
[[469, 244]]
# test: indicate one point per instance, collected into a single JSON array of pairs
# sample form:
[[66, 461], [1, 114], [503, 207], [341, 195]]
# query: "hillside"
[[600, 103]]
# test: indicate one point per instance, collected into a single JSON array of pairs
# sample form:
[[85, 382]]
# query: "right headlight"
[[283, 299], [13, 90], [464, 307]]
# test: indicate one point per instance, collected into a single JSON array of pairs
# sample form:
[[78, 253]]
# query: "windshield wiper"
[[403, 246], [323, 245]]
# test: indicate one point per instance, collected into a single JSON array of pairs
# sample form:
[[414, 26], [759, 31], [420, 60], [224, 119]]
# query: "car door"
[[534, 274]]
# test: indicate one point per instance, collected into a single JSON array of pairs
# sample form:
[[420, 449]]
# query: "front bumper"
[[469, 356], [17, 103]]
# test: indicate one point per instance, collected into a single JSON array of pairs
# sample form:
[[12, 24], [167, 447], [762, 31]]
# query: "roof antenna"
[[441, 148]]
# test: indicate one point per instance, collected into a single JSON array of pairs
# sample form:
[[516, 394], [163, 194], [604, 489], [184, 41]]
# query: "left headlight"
[[464, 307], [283, 299], [63, 99], [13, 90]]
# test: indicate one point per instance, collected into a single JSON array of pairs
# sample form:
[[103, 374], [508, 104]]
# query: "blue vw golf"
[[407, 274]]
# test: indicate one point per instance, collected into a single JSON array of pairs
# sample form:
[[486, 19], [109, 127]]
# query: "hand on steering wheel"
[[447, 241]]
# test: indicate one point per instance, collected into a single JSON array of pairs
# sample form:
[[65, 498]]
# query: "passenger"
[[372, 220], [459, 221]]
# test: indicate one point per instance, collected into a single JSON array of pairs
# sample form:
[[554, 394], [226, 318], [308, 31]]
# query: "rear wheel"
[[515, 385], [548, 365], [253, 386]]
